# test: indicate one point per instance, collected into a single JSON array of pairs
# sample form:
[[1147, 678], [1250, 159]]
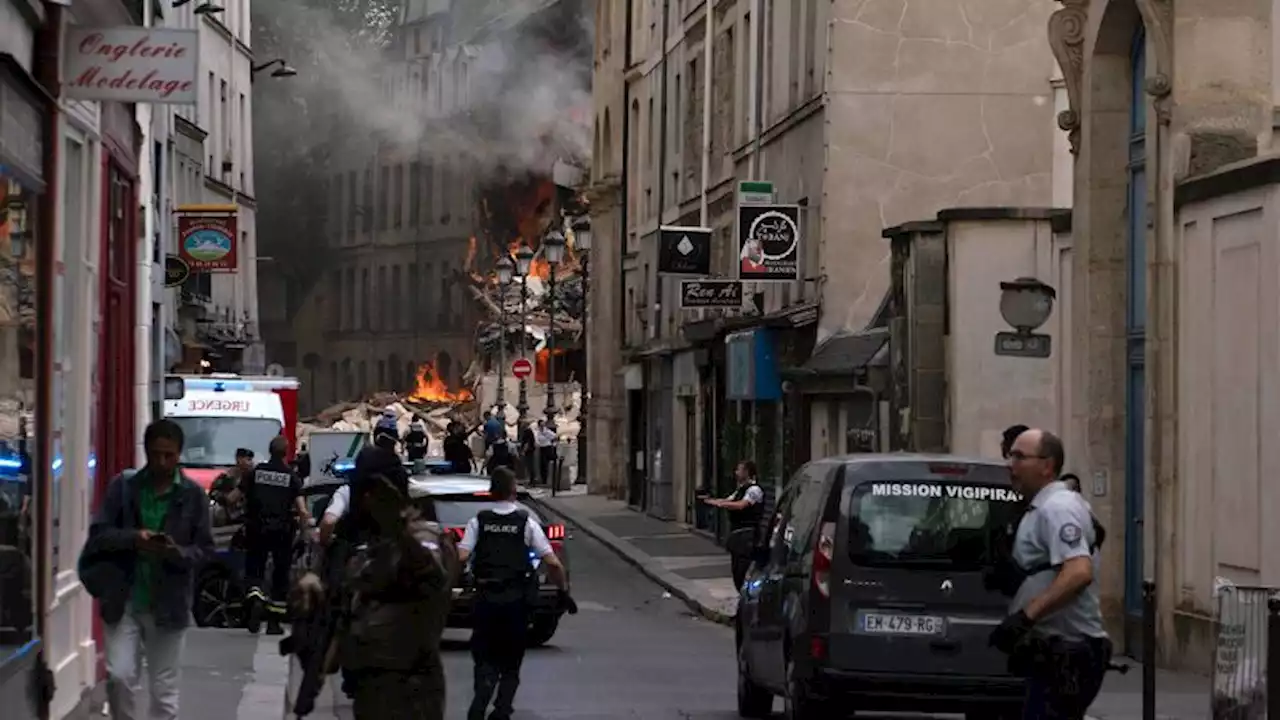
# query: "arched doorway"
[[444, 367], [1136, 339]]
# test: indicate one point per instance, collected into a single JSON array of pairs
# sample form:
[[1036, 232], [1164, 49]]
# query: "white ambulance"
[[222, 413]]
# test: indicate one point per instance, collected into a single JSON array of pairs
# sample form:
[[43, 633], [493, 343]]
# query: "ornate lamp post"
[[553, 252], [524, 260], [582, 245], [505, 268]]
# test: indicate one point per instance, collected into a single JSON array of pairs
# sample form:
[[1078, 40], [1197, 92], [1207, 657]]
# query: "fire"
[[430, 388]]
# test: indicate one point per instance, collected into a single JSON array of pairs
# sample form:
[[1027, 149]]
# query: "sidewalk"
[[686, 564], [696, 570]]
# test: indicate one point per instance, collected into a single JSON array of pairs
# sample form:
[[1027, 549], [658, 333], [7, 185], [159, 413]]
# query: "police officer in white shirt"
[[497, 544], [1054, 634]]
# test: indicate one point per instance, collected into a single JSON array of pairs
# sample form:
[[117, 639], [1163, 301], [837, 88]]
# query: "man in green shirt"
[[149, 538]]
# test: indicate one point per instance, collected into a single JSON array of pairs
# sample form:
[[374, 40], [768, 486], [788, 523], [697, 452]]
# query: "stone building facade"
[[1172, 117], [866, 115]]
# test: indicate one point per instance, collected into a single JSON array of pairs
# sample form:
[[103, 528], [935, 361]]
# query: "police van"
[[873, 597]]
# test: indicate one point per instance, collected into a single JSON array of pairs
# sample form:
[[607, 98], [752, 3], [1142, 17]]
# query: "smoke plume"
[[527, 82]]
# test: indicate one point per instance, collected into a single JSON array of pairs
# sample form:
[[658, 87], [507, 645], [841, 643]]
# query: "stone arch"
[[444, 366], [395, 381]]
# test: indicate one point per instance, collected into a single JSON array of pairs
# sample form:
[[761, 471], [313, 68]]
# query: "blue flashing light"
[[93, 462], [57, 464], [217, 385], [10, 463], [344, 466]]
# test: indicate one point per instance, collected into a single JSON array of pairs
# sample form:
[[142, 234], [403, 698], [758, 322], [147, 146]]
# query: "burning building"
[[475, 144]]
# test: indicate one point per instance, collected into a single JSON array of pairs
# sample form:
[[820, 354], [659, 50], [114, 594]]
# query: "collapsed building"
[[409, 313]]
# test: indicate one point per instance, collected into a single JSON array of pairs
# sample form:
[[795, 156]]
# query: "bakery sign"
[[131, 64]]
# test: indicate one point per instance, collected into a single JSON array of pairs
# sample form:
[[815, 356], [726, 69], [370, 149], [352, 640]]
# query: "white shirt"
[[753, 496], [337, 507], [544, 437], [534, 538]]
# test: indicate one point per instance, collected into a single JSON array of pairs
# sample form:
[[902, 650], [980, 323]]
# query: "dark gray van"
[[873, 599]]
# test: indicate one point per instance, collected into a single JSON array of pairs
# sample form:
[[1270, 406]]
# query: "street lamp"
[[582, 245], [284, 69], [504, 268], [553, 253], [524, 261]]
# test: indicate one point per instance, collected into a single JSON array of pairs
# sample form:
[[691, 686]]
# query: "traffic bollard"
[[1273, 657], [1148, 650]]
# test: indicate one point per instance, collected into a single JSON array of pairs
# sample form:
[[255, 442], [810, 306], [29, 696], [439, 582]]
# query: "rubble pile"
[[361, 416], [506, 309]]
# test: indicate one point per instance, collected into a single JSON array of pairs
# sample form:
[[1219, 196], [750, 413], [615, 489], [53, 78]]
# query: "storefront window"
[[17, 427]]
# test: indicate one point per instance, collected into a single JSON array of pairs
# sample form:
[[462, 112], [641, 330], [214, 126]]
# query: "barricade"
[[1241, 659]]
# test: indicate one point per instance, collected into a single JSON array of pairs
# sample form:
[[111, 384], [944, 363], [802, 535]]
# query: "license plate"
[[893, 624]]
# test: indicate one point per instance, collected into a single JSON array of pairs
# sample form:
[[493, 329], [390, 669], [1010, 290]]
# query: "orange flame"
[[542, 363], [430, 388]]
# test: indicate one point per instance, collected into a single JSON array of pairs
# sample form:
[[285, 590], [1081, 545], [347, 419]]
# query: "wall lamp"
[[208, 8], [285, 69]]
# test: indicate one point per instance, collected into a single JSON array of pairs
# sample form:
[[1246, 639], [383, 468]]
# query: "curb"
[[669, 581]]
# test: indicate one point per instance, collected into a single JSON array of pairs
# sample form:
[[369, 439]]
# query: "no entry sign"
[[522, 368]]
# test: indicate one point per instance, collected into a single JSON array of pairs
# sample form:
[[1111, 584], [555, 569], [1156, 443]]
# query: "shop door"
[[116, 353]]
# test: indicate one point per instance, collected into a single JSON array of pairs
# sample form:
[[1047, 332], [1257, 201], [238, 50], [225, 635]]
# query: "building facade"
[[864, 115], [1171, 117], [211, 321]]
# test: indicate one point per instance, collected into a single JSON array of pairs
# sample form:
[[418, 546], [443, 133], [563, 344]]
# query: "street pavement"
[[636, 651]]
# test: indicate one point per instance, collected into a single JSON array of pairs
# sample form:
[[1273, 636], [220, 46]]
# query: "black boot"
[[254, 609], [274, 627]]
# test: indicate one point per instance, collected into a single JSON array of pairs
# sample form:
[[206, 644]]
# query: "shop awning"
[[846, 353]]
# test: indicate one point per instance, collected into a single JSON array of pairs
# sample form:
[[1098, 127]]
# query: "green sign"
[[755, 192]]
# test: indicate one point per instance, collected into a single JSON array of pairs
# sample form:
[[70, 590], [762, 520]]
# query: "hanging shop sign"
[[710, 294], [207, 237], [131, 64], [684, 250], [176, 271], [769, 242], [752, 367]]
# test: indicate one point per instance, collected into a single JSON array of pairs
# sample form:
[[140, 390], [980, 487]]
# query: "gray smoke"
[[529, 98]]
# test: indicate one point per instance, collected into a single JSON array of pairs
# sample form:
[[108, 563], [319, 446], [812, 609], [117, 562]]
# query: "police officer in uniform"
[[1053, 635], [273, 506], [745, 507], [498, 542]]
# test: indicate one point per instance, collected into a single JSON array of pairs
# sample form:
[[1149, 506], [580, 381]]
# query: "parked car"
[[872, 598]]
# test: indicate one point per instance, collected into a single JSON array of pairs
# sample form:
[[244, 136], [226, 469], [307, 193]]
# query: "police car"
[[873, 595], [457, 499]]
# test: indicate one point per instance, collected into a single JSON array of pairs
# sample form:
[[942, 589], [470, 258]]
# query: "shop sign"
[[769, 242], [176, 271], [132, 64], [752, 366], [710, 294], [684, 250], [207, 238]]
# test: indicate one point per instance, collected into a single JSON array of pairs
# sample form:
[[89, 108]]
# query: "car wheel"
[[798, 704], [541, 630], [753, 700], [218, 603]]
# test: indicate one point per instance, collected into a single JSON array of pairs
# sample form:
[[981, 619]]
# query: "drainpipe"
[[623, 240], [663, 141], [757, 88], [1163, 290], [706, 112]]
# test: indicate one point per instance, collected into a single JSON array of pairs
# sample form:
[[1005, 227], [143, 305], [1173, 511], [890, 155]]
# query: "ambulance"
[[222, 412]]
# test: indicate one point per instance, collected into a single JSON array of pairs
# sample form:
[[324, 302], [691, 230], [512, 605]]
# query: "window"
[[211, 442], [364, 300], [224, 114], [426, 298], [397, 195], [242, 160], [929, 523], [381, 315], [445, 308], [349, 300], [335, 312], [351, 209], [364, 378], [382, 375], [384, 192], [429, 180], [337, 212], [366, 208], [411, 303], [396, 300], [417, 41], [415, 192], [333, 382]]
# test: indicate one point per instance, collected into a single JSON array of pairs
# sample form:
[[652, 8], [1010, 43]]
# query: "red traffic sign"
[[522, 368]]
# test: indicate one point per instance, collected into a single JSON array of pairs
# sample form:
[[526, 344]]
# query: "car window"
[[777, 525], [811, 489], [457, 513], [950, 524]]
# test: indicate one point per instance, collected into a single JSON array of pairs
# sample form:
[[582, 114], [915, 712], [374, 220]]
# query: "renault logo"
[[946, 587]]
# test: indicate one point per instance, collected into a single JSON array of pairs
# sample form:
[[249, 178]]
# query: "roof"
[[844, 353]]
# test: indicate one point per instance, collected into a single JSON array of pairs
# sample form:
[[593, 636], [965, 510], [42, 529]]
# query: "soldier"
[[1053, 634]]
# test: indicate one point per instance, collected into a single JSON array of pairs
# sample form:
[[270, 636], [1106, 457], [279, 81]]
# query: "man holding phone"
[[150, 536]]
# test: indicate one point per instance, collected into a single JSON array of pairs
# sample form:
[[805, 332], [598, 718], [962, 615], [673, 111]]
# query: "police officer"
[[1054, 634], [415, 441], [273, 506], [745, 508], [498, 542]]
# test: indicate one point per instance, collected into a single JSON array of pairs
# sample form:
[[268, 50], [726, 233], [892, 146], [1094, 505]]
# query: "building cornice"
[[189, 129]]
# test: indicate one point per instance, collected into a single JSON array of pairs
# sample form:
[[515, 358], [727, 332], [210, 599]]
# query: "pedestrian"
[[528, 452], [149, 537], [274, 506], [1072, 481], [1053, 635], [494, 429], [456, 451], [545, 438], [415, 441], [226, 492], [745, 508], [498, 542], [302, 463], [1011, 433]]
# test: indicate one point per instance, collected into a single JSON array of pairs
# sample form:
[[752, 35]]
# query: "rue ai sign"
[[710, 294], [131, 64], [207, 237], [684, 250], [768, 242]]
